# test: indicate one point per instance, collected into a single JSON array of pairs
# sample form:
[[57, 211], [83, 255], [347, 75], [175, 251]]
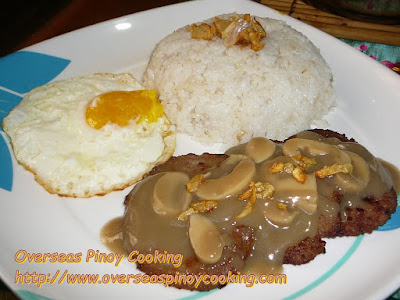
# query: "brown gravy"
[[284, 219]]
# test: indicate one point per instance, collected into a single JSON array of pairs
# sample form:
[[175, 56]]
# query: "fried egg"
[[90, 135]]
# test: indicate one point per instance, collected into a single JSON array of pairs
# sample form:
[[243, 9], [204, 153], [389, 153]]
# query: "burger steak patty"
[[357, 221]]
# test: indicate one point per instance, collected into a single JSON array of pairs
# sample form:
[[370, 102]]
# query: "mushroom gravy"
[[278, 189]]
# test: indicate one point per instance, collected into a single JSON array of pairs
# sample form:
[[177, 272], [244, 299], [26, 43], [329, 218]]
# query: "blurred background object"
[[336, 25], [377, 11], [26, 22], [20, 19]]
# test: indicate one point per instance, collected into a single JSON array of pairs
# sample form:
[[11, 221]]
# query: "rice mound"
[[227, 95]]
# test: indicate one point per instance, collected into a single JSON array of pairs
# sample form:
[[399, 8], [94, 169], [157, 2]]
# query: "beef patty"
[[354, 221]]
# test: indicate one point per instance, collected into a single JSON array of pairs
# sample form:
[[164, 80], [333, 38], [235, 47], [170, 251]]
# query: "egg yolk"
[[120, 107]]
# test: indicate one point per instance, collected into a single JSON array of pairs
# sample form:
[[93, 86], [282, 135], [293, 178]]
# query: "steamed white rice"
[[228, 95]]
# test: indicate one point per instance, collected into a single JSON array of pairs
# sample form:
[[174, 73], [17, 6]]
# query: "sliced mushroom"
[[205, 239], [233, 183], [309, 135], [303, 195], [225, 167], [361, 151], [170, 196], [358, 180], [260, 149], [294, 147], [278, 215]]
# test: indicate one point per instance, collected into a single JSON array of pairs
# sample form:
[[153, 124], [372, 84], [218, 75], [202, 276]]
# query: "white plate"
[[32, 220]]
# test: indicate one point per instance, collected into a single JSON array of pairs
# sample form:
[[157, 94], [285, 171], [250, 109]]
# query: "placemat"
[[386, 54], [336, 25]]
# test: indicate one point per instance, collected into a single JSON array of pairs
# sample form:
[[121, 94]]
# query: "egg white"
[[51, 138]]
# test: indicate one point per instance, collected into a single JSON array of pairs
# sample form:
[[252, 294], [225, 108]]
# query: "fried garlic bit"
[[246, 211], [202, 31], [204, 205], [297, 172], [299, 175], [282, 206], [196, 207], [260, 190], [184, 216], [304, 161], [264, 189], [334, 169], [279, 167], [235, 31], [193, 185]]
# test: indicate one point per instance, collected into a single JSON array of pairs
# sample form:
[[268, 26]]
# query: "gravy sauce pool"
[[280, 220]]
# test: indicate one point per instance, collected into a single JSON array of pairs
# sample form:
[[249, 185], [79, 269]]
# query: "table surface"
[[45, 19]]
